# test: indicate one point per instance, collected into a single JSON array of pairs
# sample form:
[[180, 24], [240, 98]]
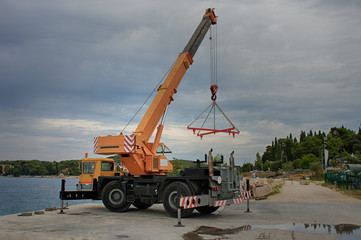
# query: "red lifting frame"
[[206, 131]]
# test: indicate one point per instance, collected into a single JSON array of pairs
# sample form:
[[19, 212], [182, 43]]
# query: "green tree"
[[16, 171], [179, 165], [302, 136], [297, 163], [288, 166], [268, 154], [351, 159], [275, 166], [247, 167], [307, 160], [334, 146], [316, 169], [266, 165], [258, 164]]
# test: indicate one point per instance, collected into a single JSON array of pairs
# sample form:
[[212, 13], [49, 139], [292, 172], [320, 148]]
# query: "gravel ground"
[[298, 212]]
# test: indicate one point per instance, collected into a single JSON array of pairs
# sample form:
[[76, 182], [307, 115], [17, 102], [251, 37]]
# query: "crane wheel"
[[207, 209], [141, 205], [114, 198], [169, 199]]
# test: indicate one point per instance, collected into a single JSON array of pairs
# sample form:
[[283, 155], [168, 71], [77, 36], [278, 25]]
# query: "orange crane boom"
[[135, 151]]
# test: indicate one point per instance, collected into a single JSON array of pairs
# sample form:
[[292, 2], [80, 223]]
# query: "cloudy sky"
[[74, 70]]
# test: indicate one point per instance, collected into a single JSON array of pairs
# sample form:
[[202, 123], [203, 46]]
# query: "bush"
[[307, 160], [288, 166], [275, 166], [316, 169], [297, 164], [266, 165]]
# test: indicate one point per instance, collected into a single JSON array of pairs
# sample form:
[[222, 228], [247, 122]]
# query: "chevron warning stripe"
[[129, 143], [220, 203], [95, 145], [242, 196], [188, 202], [237, 201], [247, 194]]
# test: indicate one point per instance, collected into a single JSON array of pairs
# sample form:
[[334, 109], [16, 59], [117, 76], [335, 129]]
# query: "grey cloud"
[[282, 66]]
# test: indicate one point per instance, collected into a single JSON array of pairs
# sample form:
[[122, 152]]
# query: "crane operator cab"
[[92, 168]]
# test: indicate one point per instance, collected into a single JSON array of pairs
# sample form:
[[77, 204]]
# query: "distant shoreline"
[[51, 176]]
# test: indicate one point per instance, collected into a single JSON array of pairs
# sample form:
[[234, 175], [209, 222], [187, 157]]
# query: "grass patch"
[[351, 193], [276, 189]]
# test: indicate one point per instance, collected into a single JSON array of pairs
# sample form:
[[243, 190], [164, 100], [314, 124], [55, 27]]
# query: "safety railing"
[[344, 180]]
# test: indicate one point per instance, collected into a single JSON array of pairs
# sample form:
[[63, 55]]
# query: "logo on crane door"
[[129, 143]]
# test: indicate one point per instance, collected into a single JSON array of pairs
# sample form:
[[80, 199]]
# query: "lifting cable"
[[213, 60], [146, 100], [214, 89]]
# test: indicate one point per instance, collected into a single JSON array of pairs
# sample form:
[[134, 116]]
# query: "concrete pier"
[[94, 221]]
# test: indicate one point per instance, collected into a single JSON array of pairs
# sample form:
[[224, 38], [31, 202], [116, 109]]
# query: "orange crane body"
[[136, 152]]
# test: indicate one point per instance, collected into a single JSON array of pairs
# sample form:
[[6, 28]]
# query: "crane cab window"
[[162, 149], [88, 167], [107, 166]]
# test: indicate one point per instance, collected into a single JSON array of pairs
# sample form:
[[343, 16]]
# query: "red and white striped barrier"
[[188, 202], [129, 143], [192, 201], [220, 203], [237, 201], [241, 195], [247, 194]]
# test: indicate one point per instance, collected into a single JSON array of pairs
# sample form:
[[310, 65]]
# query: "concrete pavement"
[[285, 220]]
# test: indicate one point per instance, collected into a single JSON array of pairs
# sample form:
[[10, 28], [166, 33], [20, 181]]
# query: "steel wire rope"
[[226, 116], [199, 131], [213, 55], [146, 100]]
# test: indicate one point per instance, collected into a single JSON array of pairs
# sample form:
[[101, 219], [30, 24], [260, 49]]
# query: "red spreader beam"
[[201, 131], [213, 131]]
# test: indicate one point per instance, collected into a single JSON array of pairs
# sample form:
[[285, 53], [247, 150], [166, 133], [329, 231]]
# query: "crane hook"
[[214, 89]]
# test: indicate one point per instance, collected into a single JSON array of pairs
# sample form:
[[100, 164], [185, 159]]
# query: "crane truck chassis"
[[147, 182], [204, 188]]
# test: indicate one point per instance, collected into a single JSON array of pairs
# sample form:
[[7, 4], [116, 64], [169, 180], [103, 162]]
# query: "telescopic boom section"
[[137, 154], [163, 98]]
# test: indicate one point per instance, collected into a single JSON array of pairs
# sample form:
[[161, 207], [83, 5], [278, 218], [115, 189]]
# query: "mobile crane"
[[148, 183]]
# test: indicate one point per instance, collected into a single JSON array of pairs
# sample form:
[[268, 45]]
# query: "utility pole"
[[325, 152]]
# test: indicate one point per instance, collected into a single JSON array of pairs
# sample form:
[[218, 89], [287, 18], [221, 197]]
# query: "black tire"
[[114, 198], [170, 194], [207, 209], [141, 205]]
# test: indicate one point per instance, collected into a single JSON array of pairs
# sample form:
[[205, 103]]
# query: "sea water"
[[19, 195]]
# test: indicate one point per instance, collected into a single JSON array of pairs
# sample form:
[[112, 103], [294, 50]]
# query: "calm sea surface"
[[19, 195]]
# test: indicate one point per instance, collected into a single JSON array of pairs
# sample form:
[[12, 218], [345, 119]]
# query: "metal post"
[[62, 201], [178, 206], [247, 182], [210, 163], [230, 173]]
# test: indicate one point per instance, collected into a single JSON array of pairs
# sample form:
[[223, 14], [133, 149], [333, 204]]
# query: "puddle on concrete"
[[206, 231], [344, 231]]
